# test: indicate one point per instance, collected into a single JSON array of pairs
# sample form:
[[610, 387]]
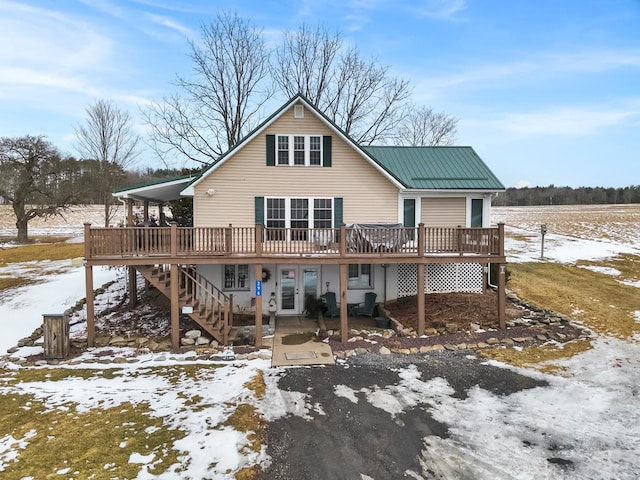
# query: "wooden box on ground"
[[56, 335]]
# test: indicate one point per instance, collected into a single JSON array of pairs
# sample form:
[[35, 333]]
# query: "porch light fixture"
[[211, 192]]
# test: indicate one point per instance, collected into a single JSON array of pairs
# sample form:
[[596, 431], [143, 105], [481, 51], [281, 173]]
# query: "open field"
[[615, 223]]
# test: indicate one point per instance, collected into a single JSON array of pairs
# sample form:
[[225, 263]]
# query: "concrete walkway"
[[295, 343]]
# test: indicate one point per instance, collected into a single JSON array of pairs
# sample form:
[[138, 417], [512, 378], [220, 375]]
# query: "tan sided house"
[[298, 209]]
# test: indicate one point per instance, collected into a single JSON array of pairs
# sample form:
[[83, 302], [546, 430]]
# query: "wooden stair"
[[212, 308]]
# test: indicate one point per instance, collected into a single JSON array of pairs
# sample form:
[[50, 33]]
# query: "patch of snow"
[[636, 315], [142, 459], [10, 445], [589, 420], [22, 313], [523, 246], [345, 392], [631, 283], [606, 270]]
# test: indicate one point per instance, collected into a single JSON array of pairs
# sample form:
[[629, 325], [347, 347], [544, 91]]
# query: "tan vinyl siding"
[[443, 212], [368, 195]]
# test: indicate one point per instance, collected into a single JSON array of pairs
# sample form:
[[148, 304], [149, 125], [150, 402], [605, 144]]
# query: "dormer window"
[[299, 150]]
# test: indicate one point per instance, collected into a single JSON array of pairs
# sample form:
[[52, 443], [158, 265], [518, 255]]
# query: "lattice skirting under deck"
[[441, 278]]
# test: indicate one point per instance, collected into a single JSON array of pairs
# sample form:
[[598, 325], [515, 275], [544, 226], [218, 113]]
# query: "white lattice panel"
[[441, 278], [407, 280]]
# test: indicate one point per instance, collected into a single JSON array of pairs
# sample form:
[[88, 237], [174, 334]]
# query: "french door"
[[294, 283]]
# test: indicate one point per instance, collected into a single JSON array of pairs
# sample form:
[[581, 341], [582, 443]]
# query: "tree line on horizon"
[[553, 195]]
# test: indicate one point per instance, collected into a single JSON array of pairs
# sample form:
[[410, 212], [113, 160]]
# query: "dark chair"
[[332, 309], [368, 308]]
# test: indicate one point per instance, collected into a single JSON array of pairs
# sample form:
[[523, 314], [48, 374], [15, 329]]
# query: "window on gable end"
[[283, 150]]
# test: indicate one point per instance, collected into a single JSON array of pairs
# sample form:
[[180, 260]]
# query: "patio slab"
[[295, 343]]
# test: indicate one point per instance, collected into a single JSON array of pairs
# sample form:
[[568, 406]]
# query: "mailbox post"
[[543, 232]]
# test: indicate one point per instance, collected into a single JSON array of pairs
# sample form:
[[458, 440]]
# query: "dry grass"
[[598, 300], [14, 282], [40, 252], [532, 357], [96, 444], [628, 265]]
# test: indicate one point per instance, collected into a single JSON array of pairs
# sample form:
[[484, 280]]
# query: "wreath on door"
[[266, 275]]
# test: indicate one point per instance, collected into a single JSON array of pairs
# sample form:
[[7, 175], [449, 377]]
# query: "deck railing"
[[260, 241]]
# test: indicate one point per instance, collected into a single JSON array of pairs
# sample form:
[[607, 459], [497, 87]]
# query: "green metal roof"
[[440, 168]]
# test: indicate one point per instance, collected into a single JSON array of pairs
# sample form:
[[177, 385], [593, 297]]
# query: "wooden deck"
[[174, 247], [257, 244]]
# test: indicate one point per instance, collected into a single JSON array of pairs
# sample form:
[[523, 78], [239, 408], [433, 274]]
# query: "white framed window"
[[306, 151], [235, 277], [300, 214], [283, 150], [360, 276]]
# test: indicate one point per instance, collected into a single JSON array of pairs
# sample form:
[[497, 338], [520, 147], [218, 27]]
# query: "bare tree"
[[221, 99], [357, 94], [305, 63], [421, 126], [35, 180], [107, 137]]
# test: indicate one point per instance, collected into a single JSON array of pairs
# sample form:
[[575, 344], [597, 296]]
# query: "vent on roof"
[[298, 111]]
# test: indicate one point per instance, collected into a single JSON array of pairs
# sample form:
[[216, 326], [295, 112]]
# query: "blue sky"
[[547, 91]]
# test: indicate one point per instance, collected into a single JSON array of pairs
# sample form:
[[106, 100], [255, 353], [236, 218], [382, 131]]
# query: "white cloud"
[[530, 69], [441, 9], [559, 120], [173, 25], [568, 120], [522, 184]]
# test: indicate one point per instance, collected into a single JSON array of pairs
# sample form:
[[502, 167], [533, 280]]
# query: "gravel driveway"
[[369, 418]]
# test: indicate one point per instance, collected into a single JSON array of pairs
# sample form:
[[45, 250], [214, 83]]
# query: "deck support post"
[[145, 211], [502, 300], [129, 212], [161, 218], [420, 295], [175, 308], [91, 322], [344, 315], [258, 272], [133, 287]]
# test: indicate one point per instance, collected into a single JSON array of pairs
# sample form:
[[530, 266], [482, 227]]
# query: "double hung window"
[[300, 215], [299, 150], [360, 276], [236, 277]]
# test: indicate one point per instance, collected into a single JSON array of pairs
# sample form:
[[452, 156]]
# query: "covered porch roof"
[[156, 192]]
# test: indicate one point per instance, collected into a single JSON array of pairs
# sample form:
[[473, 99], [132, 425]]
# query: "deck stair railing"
[[210, 308]]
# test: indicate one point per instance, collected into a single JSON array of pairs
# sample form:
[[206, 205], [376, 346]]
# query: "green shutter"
[[326, 151], [271, 150], [259, 210], [337, 212]]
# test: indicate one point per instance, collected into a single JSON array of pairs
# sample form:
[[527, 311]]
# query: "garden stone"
[[193, 334]]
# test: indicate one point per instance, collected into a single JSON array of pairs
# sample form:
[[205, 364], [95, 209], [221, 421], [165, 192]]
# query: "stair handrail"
[[212, 292]]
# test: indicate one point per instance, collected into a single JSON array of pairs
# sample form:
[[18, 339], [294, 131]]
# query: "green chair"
[[368, 308], [331, 304]]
